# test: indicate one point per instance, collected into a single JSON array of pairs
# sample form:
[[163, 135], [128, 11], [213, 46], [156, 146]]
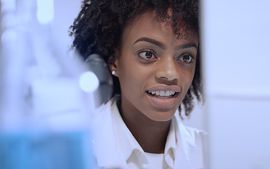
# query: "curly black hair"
[[98, 29]]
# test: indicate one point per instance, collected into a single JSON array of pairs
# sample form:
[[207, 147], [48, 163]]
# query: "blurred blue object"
[[45, 151]]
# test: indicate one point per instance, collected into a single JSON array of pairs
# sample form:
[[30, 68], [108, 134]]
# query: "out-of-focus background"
[[39, 74], [236, 49]]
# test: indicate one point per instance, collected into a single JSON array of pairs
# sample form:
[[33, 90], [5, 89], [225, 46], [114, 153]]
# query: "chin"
[[161, 116]]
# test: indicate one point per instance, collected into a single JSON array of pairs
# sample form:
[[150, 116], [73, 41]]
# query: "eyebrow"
[[161, 45]]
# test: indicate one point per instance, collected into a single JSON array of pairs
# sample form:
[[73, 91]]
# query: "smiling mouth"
[[162, 93]]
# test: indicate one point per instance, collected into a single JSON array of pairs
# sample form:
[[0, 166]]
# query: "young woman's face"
[[154, 67]]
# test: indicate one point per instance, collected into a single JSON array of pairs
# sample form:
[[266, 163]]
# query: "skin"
[[151, 57]]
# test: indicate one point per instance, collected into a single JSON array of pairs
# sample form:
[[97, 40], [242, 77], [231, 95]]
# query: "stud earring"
[[114, 72]]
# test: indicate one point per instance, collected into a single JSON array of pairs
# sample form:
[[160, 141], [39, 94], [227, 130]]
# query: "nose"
[[167, 71]]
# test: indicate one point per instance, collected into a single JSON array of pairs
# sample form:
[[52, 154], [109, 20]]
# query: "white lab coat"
[[115, 147]]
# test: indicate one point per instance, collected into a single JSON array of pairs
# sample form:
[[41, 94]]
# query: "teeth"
[[162, 93]]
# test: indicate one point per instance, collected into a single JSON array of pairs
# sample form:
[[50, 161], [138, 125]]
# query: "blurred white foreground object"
[[88, 82], [45, 116]]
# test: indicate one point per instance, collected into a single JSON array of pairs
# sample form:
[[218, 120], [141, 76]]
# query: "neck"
[[151, 135]]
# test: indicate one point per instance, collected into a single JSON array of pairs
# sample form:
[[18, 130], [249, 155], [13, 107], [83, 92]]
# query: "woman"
[[152, 50]]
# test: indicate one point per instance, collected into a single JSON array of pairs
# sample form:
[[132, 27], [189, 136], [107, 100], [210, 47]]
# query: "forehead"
[[150, 24]]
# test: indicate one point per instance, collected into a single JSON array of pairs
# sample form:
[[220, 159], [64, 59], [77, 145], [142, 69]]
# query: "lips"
[[164, 97]]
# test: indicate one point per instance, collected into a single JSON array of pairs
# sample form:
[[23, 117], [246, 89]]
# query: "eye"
[[147, 55], [186, 58]]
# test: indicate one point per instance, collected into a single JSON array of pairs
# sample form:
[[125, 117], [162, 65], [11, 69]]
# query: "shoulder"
[[193, 143], [190, 134], [196, 134], [101, 122], [105, 145], [102, 113]]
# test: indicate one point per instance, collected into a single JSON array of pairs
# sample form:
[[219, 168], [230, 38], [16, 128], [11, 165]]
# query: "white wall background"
[[236, 40]]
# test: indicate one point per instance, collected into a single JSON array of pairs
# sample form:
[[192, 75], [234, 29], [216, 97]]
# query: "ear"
[[114, 64]]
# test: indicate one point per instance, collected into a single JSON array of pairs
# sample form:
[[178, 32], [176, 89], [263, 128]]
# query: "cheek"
[[187, 79], [131, 79], [133, 75], [190, 77]]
